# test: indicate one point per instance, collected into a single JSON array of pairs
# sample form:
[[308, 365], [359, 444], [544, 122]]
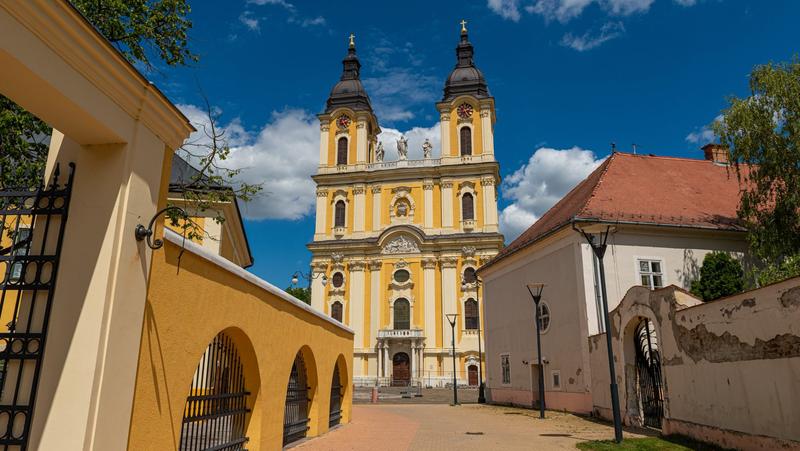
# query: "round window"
[[338, 280], [401, 275], [544, 317]]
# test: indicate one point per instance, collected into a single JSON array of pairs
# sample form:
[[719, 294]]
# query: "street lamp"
[[535, 289], [599, 245], [464, 286], [451, 318], [309, 277]]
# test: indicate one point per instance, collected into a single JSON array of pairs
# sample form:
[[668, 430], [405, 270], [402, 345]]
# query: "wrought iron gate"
[[335, 415], [32, 226], [216, 409], [648, 370], [295, 415]]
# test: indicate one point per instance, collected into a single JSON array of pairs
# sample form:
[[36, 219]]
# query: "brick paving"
[[396, 427]]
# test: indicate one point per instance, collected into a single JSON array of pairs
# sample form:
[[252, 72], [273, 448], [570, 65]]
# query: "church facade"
[[397, 243]]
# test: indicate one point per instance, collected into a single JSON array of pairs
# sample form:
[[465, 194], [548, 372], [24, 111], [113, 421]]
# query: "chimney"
[[716, 153]]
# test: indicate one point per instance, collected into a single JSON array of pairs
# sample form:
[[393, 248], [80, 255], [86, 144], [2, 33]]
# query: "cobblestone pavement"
[[424, 427]]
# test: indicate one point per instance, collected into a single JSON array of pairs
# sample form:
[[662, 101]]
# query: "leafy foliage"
[[721, 275], [789, 267], [304, 294], [24, 142], [763, 134]]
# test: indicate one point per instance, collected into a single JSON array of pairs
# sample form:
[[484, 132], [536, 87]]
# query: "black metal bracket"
[[146, 233]]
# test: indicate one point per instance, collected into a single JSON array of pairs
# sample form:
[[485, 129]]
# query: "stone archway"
[[401, 369], [644, 386]]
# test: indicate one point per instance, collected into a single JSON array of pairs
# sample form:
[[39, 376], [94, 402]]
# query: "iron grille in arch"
[[335, 413], [216, 409], [295, 415], [32, 223], [648, 370]]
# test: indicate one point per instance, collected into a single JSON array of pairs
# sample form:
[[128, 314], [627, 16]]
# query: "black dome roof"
[[465, 78], [349, 92]]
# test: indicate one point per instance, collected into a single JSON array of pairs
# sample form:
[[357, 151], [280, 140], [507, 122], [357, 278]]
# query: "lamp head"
[[324, 280], [451, 318], [536, 290]]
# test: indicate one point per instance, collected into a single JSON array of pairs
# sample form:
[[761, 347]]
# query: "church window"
[[336, 311], [466, 141], [505, 366], [471, 314], [401, 276], [469, 275], [467, 207], [544, 317], [402, 314], [339, 214], [338, 280], [341, 151]]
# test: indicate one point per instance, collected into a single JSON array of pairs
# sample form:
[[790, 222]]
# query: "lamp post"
[[535, 289], [309, 277], [599, 249], [481, 389], [451, 318]]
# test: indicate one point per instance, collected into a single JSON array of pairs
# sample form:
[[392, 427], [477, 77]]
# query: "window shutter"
[[339, 214], [341, 151], [466, 141], [467, 207]]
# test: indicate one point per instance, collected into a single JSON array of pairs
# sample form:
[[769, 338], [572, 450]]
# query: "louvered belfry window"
[[467, 207], [471, 314], [339, 213], [341, 151], [466, 141], [336, 311]]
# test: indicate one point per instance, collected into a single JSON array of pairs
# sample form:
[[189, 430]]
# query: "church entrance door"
[[472, 375], [401, 374]]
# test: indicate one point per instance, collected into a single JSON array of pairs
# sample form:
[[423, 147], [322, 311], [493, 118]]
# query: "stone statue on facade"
[[427, 148], [379, 152], [402, 147]]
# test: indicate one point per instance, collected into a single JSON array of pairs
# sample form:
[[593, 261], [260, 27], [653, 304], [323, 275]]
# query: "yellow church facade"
[[397, 241]]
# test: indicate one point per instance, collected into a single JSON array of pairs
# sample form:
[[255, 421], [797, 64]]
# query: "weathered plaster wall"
[[731, 367], [191, 298]]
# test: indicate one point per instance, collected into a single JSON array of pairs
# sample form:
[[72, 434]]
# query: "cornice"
[[69, 35], [477, 170]]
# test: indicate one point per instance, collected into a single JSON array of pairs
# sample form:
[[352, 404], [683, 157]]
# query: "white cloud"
[[627, 7], [281, 3], [704, 135], [282, 156], [686, 2], [538, 184], [249, 21], [592, 38], [507, 9], [416, 136], [561, 10]]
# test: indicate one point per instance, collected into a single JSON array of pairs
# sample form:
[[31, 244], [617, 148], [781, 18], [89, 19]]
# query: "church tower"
[[399, 240]]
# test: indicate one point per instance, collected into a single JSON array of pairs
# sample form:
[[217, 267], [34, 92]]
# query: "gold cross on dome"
[[352, 40], [463, 26]]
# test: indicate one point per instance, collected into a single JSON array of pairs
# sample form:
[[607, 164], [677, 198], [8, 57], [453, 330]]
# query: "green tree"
[[138, 29], [304, 294], [789, 267], [721, 275], [762, 132]]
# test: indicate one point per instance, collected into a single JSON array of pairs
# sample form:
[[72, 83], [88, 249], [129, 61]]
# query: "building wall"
[[730, 367], [193, 297]]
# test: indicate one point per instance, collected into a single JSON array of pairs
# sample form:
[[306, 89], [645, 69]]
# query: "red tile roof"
[[656, 190]]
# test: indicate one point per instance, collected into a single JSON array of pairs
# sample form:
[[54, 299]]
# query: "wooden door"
[[401, 373], [472, 375]]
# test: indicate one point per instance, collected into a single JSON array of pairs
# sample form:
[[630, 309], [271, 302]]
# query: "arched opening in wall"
[[336, 311], [472, 375], [469, 275], [402, 314], [401, 370], [467, 207], [337, 392], [465, 141], [339, 213], [341, 151], [648, 373], [296, 410], [471, 317], [215, 414]]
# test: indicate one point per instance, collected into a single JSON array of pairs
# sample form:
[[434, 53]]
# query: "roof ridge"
[[603, 171]]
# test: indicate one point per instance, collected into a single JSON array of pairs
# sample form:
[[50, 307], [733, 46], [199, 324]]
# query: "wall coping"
[[229, 266]]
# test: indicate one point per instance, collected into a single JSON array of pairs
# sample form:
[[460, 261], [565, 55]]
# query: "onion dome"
[[465, 79], [349, 92]]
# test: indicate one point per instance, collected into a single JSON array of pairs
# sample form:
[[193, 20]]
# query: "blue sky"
[[568, 76]]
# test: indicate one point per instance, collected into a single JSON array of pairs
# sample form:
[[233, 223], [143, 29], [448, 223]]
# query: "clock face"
[[343, 121], [464, 110]]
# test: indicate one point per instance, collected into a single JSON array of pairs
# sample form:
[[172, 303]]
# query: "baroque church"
[[398, 242]]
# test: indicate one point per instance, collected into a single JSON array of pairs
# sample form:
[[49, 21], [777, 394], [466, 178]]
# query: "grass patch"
[[668, 443]]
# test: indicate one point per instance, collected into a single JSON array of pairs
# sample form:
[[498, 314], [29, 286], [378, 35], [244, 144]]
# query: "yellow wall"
[[187, 308]]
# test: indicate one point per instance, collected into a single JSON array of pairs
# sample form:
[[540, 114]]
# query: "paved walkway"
[[466, 427]]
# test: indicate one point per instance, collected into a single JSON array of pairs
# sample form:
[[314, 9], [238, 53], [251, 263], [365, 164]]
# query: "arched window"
[[339, 212], [402, 314], [341, 151], [467, 207], [544, 317], [336, 311], [466, 141], [471, 314], [469, 275]]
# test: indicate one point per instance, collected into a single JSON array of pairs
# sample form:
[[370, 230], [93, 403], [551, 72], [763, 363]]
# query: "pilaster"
[[427, 187], [374, 300], [361, 139], [322, 204], [489, 205], [324, 130], [486, 129], [359, 210], [377, 207], [448, 266], [444, 127], [318, 269], [447, 204], [356, 301], [429, 299]]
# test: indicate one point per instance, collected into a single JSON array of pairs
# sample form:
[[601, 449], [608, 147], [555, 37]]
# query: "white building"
[[666, 214]]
